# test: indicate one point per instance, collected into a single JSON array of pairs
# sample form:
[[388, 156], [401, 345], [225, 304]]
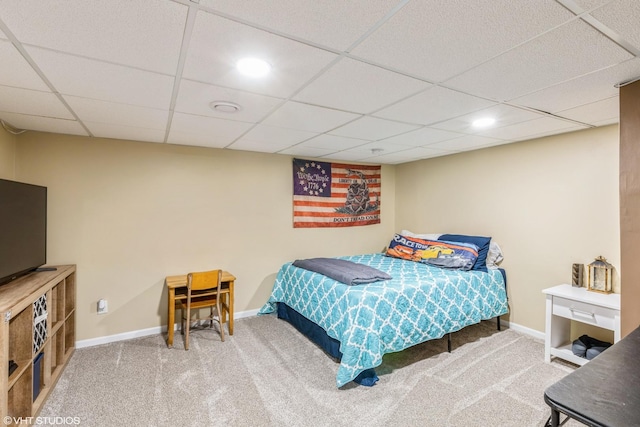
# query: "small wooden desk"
[[179, 283]]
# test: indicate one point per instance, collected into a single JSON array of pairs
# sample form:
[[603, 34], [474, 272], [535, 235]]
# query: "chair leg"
[[186, 332], [219, 320]]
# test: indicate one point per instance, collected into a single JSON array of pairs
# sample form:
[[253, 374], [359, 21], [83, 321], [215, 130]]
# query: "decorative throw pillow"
[[481, 242], [439, 253]]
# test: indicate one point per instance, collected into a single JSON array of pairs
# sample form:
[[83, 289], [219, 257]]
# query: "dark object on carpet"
[[12, 367], [588, 347]]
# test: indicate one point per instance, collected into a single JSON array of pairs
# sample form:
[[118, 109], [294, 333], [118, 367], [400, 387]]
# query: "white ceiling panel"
[[533, 129], [117, 114], [466, 143], [106, 130], [72, 75], [303, 150], [271, 138], [32, 102], [295, 115], [572, 93], [433, 105], [437, 40], [372, 128], [196, 98], [503, 114], [595, 112], [407, 76], [567, 52], [333, 23], [623, 17], [332, 142], [355, 86], [43, 124], [187, 129], [16, 71], [144, 33], [424, 136], [217, 44]]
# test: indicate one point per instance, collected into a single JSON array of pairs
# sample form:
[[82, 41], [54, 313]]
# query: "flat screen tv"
[[23, 229]]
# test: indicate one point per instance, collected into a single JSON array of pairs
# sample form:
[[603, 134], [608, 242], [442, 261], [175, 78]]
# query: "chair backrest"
[[204, 280]]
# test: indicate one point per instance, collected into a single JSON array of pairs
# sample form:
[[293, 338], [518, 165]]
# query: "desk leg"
[[171, 317], [231, 285], [555, 418]]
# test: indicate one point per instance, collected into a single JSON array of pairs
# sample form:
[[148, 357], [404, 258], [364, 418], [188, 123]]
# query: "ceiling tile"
[[295, 115], [433, 105], [187, 129], [72, 75], [270, 139], [532, 129], [301, 150], [16, 71], [622, 16], [567, 52], [117, 114], [596, 112], [573, 93], [43, 124], [133, 133], [32, 102], [588, 5], [142, 33], [424, 136], [218, 43], [371, 128], [503, 114], [467, 142], [355, 86], [409, 155], [439, 39], [334, 23], [196, 98], [333, 142]]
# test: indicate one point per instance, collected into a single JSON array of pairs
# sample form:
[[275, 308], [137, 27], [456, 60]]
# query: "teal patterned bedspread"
[[420, 303]]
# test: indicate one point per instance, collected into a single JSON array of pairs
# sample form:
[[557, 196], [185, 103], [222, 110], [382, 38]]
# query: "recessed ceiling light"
[[253, 67], [483, 123], [225, 107]]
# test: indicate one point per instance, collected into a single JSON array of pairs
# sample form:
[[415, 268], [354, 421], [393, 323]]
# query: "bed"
[[363, 322]]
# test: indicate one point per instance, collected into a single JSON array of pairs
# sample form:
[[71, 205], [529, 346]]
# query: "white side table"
[[566, 303]]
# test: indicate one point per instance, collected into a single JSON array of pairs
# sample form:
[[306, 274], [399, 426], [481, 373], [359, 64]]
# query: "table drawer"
[[585, 313]]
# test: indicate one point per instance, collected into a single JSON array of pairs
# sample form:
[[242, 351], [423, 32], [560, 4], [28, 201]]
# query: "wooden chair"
[[203, 290]]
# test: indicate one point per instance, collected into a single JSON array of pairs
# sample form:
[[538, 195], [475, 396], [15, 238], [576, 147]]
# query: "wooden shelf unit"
[[17, 338]]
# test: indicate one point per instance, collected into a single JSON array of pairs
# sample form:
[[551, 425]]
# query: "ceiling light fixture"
[[253, 67], [484, 122], [225, 107]]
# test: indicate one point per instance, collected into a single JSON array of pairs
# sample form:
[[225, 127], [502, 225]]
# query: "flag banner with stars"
[[335, 194]]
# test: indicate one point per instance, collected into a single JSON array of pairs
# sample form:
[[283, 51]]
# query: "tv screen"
[[23, 228]]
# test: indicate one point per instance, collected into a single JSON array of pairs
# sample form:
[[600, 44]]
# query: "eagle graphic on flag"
[[334, 194]]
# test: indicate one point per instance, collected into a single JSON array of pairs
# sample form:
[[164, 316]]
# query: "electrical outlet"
[[102, 306]]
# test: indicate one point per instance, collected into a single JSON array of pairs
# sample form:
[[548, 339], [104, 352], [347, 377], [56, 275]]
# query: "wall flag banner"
[[335, 194]]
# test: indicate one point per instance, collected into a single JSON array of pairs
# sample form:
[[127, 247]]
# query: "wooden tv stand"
[[22, 341]]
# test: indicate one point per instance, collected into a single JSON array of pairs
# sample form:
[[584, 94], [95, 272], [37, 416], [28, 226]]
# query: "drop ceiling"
[[375, 81]]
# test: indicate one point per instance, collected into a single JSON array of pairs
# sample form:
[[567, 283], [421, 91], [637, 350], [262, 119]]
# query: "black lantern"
[[600, 275]]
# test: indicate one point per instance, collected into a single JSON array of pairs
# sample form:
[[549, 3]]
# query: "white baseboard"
[[162, 329], [523, 329], [143, 332]]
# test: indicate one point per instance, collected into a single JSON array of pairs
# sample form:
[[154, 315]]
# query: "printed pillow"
[[461, 256], [482, 243]]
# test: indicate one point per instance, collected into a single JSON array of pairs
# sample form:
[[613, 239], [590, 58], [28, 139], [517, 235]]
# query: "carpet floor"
[[268, 374]]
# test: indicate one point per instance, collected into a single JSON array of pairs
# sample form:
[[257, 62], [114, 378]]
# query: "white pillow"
[[420, 236]]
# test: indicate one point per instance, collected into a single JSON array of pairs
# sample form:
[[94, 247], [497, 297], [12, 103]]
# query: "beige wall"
[[548, 202], [7, 154], [129, 214]]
